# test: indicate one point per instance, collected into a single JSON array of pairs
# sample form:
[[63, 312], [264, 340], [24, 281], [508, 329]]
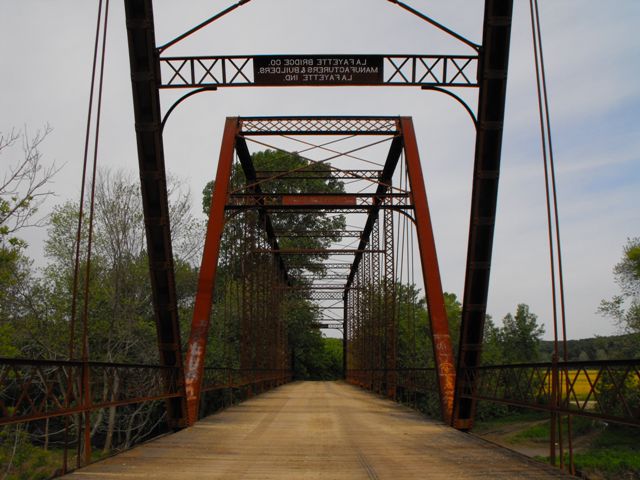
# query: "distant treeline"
[[598, 348]]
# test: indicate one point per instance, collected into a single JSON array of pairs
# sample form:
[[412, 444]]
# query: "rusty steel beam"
[[250, 174], [319, 233], [319, 125], [337, 266], [345, 339], [145, 80], [329, 174], [441, 339], [316, 286], [318, 251], [206, 278], [313, 199], [325, 296], [492, 76], [306, 209], [393, 156]]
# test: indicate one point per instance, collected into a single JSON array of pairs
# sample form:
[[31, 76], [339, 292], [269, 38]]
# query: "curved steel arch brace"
[[182, 99], [457, 99]]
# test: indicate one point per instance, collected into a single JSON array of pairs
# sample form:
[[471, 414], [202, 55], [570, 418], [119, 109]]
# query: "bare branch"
[[23, 186]]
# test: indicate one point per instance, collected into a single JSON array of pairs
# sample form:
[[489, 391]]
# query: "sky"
[[592, 56]]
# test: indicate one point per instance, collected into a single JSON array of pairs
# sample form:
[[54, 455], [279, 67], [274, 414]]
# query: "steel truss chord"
[[257, 126], [333, 174], [323, 209], [319, 234]]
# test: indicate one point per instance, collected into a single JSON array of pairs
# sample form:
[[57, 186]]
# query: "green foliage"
[[415, 349], [332, 353], [21, 460], [277, 161], [625, 308], [320, 358], [508, 417], [491, 344], [611, 464], [414, 344], [313, 357], [520, 336], [613, 454], [613, 347], [618, 391], [541, 431]]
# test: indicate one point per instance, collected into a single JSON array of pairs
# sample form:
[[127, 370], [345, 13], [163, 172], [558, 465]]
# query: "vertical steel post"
[[145, 80], [441, 339], [492, 78], [206, 279], [390, 325], [345, 336]]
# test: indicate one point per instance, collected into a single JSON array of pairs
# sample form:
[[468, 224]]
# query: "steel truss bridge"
[[260, 257]]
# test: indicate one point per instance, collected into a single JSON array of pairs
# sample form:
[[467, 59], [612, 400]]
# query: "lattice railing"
[[319, 126], [37, 389], [609, 390]]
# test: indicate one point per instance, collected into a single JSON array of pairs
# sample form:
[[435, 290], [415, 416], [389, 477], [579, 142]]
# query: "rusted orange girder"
[[196, 349], [405, 140], [442, 351]]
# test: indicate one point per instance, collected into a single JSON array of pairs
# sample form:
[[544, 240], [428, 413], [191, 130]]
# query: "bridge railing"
[[608, 389], [255, 380], [41, 389], [416, 387], [52, 409], [56, 415]]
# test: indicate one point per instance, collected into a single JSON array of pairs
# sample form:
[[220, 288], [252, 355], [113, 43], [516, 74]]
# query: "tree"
[[625, 308], [241, 232], [491, 343], [277, 161], [23, 186], [120, 313], [22, 191], [520, 336]]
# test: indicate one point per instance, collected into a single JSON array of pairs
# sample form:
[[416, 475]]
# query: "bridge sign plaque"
[[283, 70]]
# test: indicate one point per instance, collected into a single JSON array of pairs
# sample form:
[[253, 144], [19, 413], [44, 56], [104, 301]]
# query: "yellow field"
[[581, 385]]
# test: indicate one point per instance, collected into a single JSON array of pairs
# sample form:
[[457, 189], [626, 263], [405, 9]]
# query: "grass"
[[482, 426], [610, 463], [540, 432], [612, 452], [31, 463]]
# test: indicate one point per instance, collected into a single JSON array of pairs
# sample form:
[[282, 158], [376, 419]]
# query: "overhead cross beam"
[[318, 70]]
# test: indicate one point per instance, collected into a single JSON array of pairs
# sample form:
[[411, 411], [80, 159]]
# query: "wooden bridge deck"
[[317, 430]]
